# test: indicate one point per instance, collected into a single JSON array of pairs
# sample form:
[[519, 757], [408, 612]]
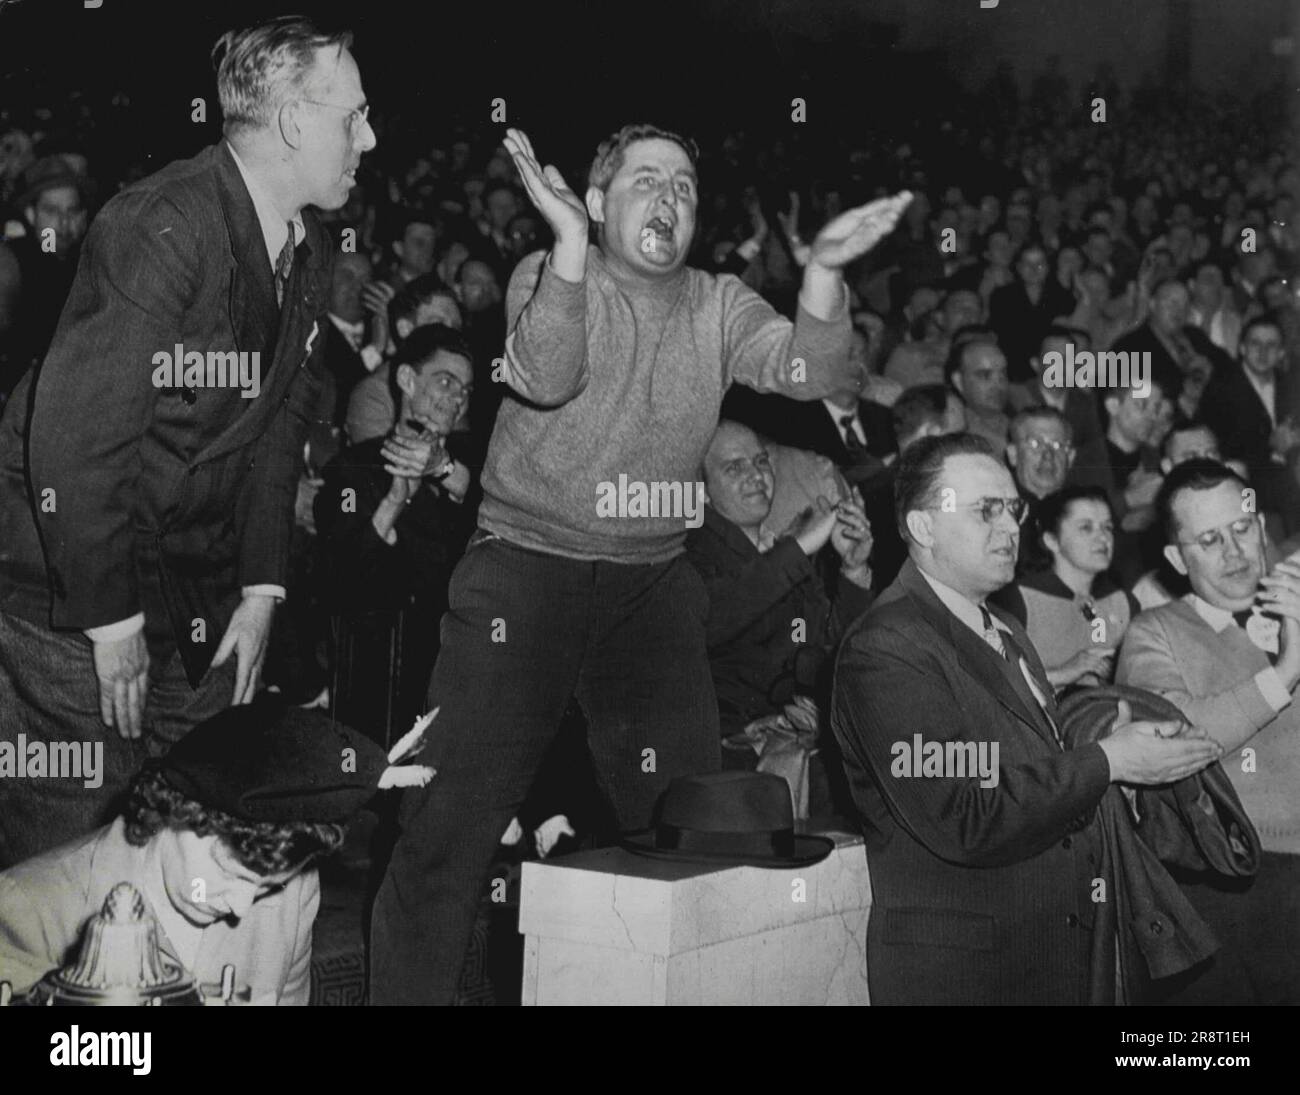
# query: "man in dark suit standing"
[[166, 430], [1244, 407], [984, 877]]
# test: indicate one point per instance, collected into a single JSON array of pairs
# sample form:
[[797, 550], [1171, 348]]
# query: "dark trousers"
[[49, 693], [524, 632]]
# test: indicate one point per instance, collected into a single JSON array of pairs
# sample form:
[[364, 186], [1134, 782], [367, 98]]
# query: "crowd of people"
[[855, 353]]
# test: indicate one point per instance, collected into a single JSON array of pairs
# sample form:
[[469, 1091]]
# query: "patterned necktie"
[[283, 265], [1007, 647], [856, 449]]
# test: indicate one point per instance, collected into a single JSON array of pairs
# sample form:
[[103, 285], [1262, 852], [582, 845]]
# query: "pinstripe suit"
[[982, 895]]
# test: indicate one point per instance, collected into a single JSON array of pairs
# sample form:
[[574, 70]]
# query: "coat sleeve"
[[95, 399], [31, 944], [297, 986], [761, 348], [889, 688], [1231, 716]]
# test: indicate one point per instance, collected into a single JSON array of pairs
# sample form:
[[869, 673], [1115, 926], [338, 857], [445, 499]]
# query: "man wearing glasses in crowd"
[[1228, 654], [164, 513], [983, 888]]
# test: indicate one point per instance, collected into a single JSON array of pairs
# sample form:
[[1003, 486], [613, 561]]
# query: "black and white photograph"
[[732, 503]]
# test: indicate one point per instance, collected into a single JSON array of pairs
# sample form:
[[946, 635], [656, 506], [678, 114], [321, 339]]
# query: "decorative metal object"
[[120, 963]]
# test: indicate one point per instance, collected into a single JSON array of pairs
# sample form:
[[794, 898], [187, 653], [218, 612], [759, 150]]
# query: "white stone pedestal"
[[610, 927]]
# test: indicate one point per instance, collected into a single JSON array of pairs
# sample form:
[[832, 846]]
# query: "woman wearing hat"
[[220, 837]]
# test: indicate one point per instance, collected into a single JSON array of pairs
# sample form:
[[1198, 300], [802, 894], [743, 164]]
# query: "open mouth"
[[662, 227]]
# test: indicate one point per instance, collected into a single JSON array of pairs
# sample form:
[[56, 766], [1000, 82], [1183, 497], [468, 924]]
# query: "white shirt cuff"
[[109, 633], [371, 357], [749, 250], [1270, 684], [264, 591]]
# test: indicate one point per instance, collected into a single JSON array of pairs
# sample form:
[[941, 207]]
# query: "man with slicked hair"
[[147, 533], [617, 359]]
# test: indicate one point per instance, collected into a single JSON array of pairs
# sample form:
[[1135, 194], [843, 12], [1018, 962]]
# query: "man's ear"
[[920, 526], [404, 328], [398, 249], [406, 378], [1166, 465], [596, 204], [959, 382], [1011, 454], [1111, 403], [290, 126], [1174, 555]]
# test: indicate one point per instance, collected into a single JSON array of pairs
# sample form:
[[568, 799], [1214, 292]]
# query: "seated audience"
[[977, 368], [422, 302], [1040, 455], [1072, 610], [1243, 406], [392, 520], [772, 625]]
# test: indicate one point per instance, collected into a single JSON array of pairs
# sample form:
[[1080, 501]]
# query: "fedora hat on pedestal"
[[729, 819]]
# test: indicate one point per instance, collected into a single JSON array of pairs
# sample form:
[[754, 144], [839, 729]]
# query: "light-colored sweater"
[[621, 379], [1225, 685]]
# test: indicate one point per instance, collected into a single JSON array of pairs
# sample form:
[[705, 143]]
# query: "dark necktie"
[[283, 265], [856, 449], [1242, 619]]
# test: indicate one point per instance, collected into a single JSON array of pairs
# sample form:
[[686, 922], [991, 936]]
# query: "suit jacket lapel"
[[1000, 677], [253, 310]]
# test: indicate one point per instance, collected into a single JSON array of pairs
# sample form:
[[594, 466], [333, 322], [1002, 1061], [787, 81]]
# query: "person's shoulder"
[[1168, 618], [187, 185]]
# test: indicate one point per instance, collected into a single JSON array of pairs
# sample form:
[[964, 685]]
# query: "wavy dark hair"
[[265, 847]]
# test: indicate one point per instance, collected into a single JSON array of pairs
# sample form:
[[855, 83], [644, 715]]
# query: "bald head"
[[738, 475]]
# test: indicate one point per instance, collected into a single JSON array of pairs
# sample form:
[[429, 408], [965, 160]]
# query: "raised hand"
[[856, 231], [561, 208]]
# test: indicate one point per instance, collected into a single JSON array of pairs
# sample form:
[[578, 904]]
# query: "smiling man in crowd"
[[618, 356]]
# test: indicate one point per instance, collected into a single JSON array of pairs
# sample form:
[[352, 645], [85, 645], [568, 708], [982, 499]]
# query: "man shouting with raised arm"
[[618, 356]]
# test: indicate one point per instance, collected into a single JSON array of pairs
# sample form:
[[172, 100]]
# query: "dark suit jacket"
[[758, 665], [980, 895], [167, 501], [1020, 324], [807, 425], [1234, 410]]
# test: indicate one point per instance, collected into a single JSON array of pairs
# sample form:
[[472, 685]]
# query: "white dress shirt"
[[838, 413]]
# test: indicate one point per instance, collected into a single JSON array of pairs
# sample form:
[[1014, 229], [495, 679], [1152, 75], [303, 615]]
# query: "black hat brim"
[[808, 850]]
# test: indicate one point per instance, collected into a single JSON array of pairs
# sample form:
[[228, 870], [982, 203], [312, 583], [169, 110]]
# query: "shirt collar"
[[354, 329], [274, 227], [966, 610], [1218, 618]]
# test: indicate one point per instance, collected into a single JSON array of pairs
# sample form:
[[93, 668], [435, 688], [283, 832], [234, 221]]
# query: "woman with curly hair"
[[220, 837]]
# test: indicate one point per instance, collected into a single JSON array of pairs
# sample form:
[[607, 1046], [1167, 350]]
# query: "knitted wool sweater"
[[620, 378]]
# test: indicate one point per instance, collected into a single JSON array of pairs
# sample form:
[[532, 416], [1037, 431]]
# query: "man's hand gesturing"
[[856, 231], [556, 202]]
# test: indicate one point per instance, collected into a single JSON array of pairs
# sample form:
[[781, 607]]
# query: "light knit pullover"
[[627, 378]]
